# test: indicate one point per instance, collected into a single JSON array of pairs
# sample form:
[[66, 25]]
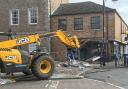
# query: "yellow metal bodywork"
[[10, 55], [66, 40], [47, 67], [71, 42], [5, 56], [19, 41]]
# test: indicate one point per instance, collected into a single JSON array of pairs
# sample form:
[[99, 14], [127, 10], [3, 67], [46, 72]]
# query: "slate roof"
[[80, 8]]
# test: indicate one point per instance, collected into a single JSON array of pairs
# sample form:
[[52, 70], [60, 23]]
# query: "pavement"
[[68, 77]]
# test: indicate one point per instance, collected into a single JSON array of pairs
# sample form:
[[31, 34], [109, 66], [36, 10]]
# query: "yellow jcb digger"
[[40, 64]]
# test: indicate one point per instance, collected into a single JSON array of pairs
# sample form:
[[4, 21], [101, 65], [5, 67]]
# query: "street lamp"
[[104, 38], [50, 12], [103, 44]]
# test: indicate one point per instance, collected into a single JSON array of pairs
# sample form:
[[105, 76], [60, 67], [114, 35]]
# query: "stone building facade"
[[86, 21], [25, 16]]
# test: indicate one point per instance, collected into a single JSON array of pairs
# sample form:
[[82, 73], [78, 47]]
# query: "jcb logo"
[[10, 57], [23, 40]]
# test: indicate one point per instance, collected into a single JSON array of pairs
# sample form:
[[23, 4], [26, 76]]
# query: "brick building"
[[86, 21], [26, 16]]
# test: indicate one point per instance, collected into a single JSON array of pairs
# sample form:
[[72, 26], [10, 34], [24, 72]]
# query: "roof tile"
[[80, 8]]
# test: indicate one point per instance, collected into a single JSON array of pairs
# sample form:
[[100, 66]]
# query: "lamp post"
[[105, 37], [103, 44], [50, 11]]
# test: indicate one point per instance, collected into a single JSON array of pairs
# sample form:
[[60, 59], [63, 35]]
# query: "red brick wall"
[[114, 29], [59, 48]]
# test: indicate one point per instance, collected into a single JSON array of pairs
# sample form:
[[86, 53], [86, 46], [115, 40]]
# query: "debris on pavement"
[[96, 58], [86, 65], [6, 81], [75, 68], [64, 70], [92, 59]]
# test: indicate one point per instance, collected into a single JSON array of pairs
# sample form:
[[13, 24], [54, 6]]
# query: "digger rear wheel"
[[43, 67]]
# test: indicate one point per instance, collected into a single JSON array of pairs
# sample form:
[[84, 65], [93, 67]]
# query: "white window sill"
[[33, 23], [14, 24]]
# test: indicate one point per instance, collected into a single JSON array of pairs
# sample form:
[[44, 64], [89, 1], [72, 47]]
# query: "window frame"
[[59, 26], [123, 28], [11, 16], [95, 23], [78, 24], [29, 15]]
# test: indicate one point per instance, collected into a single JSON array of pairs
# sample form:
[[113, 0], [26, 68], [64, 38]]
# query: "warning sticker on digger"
[[23, 40]]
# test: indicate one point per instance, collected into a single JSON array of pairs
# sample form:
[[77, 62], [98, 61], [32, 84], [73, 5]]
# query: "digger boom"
[[71, 42]]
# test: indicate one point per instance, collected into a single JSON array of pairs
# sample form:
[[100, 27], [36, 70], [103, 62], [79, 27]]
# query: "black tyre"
[[27, 72], [43, 67]]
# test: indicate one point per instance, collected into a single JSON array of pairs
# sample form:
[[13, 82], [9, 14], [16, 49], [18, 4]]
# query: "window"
[[123, 28], [33, 15], [78, 23], [62, 24], [32, 47], [14, 18], [95, 22]]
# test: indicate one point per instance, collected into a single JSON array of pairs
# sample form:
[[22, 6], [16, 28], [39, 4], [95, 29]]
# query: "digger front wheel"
[[43, 67]]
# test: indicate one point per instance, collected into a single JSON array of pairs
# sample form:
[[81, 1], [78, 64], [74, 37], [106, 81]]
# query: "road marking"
[[116, 86], [107, 83], [46, 85], [54, 85]]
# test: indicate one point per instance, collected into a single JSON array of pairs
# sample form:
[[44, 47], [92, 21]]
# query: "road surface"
[[117, 76], [29, 82]]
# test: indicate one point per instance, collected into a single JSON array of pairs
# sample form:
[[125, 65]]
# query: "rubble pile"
[[73, 69], [6, 81]]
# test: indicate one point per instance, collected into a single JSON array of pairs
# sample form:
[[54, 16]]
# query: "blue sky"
[[120, 6]]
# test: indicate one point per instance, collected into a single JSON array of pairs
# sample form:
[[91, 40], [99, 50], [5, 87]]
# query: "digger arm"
[[71, 42], [19, 41]]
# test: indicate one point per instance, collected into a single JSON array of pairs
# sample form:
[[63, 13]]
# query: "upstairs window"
[[33, 15], [14, 17], [78, 23], [62, 24], [123, 28], [95, 22]]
